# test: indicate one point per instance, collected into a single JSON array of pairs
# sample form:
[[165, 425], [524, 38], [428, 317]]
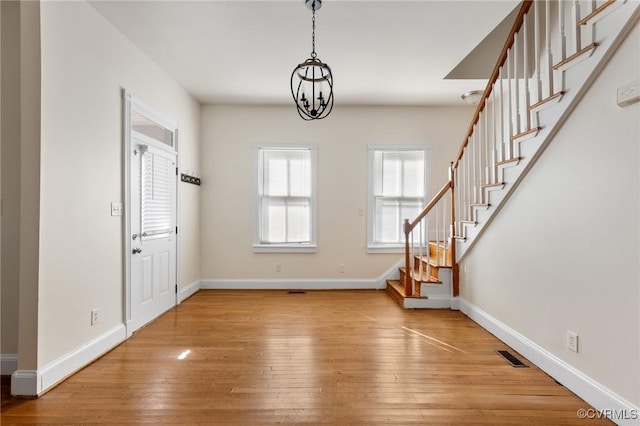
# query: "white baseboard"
[[290, 284], [601, 398], [433, 302], [8, 364], [185, 292], [455, 303], [379, 283], [25, 382], [33, 383]]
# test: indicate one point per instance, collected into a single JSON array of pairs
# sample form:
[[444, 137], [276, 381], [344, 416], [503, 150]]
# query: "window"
[[284, 198], [397, 191]]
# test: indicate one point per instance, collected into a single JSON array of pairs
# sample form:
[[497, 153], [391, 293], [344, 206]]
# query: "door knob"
[[137, 250]]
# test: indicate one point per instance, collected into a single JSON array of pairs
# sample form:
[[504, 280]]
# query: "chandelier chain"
[[313, 33]]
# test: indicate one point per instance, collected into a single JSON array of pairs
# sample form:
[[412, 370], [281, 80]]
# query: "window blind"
[[157, 203], [398, 192], [285, 196]]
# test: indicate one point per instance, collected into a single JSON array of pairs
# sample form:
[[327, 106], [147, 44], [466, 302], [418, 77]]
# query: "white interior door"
[[151, 206]]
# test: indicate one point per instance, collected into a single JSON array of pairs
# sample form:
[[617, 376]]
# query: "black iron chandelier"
[[312, 81]]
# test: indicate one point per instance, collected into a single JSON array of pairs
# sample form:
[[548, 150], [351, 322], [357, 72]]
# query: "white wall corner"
[[73, 361], [600, 397], [26, 383], [8, 364], [455, 303], [186, 292]]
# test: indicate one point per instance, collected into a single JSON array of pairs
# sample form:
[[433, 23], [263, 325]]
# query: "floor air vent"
[[515, 362], [296, 292]]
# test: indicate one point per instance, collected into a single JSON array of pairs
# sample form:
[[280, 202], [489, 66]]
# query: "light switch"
[[116, 209]]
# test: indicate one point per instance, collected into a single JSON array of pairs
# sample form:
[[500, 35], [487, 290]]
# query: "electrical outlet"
[[572, 341], [278, 267], [341, 268], [94, 316], [629, 93]]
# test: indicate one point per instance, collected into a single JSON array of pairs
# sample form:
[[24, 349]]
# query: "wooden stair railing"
[[547, 38], [428, 241]]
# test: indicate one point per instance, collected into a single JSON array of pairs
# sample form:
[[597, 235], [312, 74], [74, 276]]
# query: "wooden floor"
[[332, 357]]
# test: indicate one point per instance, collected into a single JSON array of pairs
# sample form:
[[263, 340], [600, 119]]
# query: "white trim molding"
[[379, 283], [291, 284], [605, 401], [186, 292], [34, 383], [25, 383], [8, 364]]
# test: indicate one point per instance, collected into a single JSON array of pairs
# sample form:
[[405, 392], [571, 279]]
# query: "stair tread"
[[588, 49], [527, 134], [432, 261], [551, 100], [398, 288], [426, 279], [492, 185]]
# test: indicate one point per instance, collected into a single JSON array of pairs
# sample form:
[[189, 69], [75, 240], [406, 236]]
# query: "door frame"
[[129, 103]]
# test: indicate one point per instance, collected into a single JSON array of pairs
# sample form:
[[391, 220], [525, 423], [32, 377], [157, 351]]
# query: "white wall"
[[563, 254], [228, 133], [85, 64], [10, 75]]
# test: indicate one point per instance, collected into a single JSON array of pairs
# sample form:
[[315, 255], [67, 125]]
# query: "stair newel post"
[[407, 259], [421, 239], [454, 264]]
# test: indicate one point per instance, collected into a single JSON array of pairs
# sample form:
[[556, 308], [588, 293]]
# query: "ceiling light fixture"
[[312, 81], [472, 97]]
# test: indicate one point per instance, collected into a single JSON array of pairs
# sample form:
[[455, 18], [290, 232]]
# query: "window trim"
[[371, 148], [259, 247]]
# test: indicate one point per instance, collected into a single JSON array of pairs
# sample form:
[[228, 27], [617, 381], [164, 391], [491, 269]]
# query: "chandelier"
[[312, 81]]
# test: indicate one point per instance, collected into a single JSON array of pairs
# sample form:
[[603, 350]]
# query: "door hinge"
[[176, 230], [176, 288], [176, 171]]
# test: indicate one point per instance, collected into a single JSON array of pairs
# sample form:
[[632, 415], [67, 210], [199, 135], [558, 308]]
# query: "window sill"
[[385, 249], [284, 248]]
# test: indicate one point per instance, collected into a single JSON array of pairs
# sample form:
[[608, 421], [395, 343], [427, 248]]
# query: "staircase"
[[430, 279], [553, 53]]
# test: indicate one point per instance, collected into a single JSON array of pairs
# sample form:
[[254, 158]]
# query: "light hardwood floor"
[[332, 357]]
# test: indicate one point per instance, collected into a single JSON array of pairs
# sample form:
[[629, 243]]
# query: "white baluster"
[[487, 151], [446, 238], [547, 24], [510, 107], [517, 82], [536, 49], [494, 135], [575, 21], [501, 155], [525, 72]]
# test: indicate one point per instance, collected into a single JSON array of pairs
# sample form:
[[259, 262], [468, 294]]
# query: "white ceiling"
[[381, 52]]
